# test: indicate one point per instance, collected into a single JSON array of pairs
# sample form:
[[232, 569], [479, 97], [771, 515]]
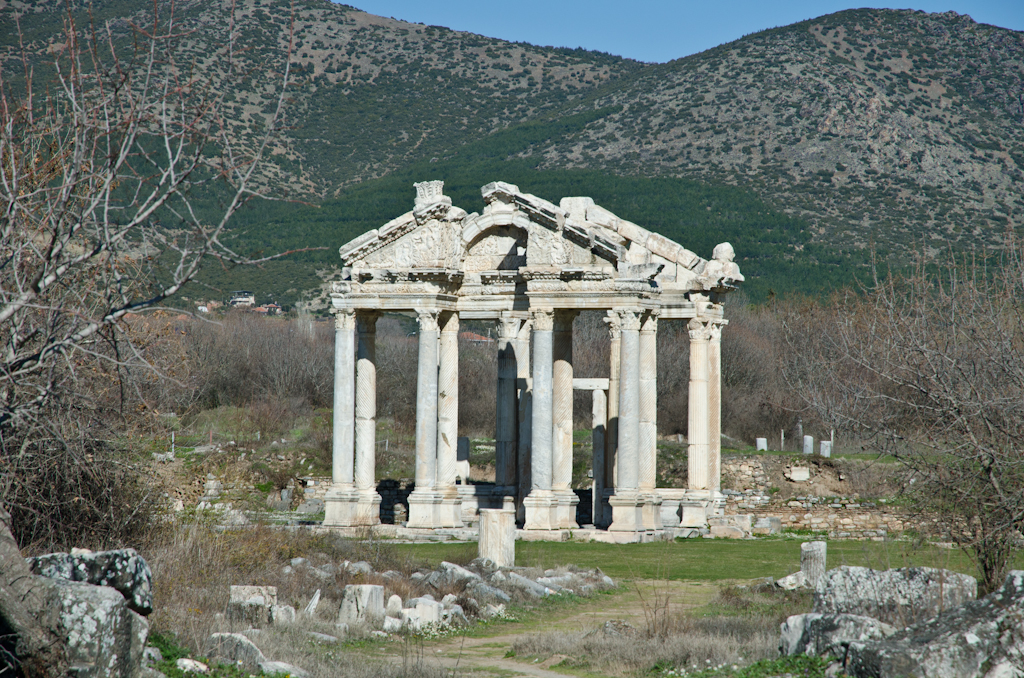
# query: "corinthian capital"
[[698, 330], [345, 319], [543, 319], [427, 319], [630, 320]]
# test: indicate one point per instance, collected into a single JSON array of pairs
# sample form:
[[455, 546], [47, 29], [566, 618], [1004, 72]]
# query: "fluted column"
[[627, 503], [715, 406], [340, 502], [612, 429], [697, 421], [648, 438], [525, 418], [424, 502], [561, 416], [448, 419], [366, 418], [505, 414], [540, 505]]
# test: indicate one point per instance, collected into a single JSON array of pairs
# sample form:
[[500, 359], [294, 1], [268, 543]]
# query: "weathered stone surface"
[[234, 648], [981, 638], [813, 556], [429, 611], [272, 667], [727, 532], [313, 603], [360, 567], [528, 585], [191, 666], [822, 635], [104, 637], [797, 580], [123, 570], [394, 606], [498, 537], [456, 574], [392, 624], [767, 525], [282, 614], [900, 597], [487, 593], [362, 604]]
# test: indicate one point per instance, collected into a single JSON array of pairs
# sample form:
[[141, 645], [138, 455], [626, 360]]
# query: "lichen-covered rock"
[[824, 635], [235, 649], [981, 639], [900, 597], [123, 570], [105, 639]]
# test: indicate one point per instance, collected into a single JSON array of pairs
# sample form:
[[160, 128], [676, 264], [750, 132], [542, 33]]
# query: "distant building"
[[242, 298]]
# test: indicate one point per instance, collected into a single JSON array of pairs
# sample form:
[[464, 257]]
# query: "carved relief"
[[547, 249], [499, 249]]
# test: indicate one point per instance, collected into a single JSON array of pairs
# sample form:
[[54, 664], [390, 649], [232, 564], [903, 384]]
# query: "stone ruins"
[[530, 266]]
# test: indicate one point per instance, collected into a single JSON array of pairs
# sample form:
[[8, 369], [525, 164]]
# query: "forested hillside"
[[815, 148]]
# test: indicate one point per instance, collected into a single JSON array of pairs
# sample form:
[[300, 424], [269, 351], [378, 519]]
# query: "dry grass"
[[740, 626]]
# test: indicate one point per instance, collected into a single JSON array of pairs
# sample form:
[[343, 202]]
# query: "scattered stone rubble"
[[911, 622]]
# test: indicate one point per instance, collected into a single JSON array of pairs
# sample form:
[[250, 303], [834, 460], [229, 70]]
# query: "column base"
[[566, 509], [627, 512], [424, 509], [541, 510], [450, 512], [695, 507], [341, 507], [368, 508], [670, 498], [652, 511]]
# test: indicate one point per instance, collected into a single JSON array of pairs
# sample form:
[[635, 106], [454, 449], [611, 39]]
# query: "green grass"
[[702, 559]]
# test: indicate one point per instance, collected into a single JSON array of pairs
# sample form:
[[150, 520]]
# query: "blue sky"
[[649, 30]]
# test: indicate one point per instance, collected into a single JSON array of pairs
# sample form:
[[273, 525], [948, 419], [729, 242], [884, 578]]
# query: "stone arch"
[[499, 247]]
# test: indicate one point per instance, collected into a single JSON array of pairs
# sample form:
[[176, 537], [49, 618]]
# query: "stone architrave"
[[527, 263], [425, 500], [498, 536]]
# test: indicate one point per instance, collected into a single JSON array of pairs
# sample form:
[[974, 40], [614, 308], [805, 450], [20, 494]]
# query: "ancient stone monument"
[[530, 266]]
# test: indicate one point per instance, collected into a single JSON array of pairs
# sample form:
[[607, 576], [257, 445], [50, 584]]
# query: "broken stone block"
[[727, 532], [394, 606], [234, 648], [767, 525], [392, 624], [104, 638], [820, 635], [123, 570], [800, 474], [362, 604]]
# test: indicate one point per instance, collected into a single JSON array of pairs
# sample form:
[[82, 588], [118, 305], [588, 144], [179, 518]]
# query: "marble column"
[[611, 439], [448, 419], [696, 503], [366, 418], [506, 406], [648, 438], [541, 507], [524, 418], [627, 502], [341, 499], [425, 501], [715, 407], [599, 425], [561, 416]]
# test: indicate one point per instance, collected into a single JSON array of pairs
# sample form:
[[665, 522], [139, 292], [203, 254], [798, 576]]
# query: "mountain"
[[815, 148]]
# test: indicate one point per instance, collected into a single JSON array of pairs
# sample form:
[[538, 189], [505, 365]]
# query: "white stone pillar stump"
[[341, 500], [498, 536], [813, 561], [366, 419], [541, 506], [561, 413], [425, 501], [448, 420], [627, 502]]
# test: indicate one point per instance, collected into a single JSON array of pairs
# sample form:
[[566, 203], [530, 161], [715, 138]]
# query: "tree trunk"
[[30, 642]]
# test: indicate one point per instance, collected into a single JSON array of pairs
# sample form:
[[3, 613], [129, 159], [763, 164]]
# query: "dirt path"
[[486, 655]]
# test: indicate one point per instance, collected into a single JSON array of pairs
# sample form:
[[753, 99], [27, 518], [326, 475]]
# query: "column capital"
[[611, 318], [629, 320], [508, 327], [715, 331], [698, 330], [345, 319], [543, 319], [448, 321], [564, 319], [427, 318], [366, 321], [649, 321]]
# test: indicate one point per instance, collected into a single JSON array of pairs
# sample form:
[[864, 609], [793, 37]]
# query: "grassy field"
[[702, 559]]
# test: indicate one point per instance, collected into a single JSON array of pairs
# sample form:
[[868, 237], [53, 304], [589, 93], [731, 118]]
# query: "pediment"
[[520, 231]]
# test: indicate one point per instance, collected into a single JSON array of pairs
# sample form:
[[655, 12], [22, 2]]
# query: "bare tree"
[[930, 366], [98, 169]]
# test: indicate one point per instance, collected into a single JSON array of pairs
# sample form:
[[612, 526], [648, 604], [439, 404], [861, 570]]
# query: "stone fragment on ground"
[[234, 649], [272, 667], [362, 604], [123, 570], [191, 666], [981, 638], [797, 580], [251, 605], [823, 635], [900, 597]]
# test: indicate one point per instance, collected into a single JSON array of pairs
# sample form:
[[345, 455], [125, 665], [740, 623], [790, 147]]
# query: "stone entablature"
[[530, 266]]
